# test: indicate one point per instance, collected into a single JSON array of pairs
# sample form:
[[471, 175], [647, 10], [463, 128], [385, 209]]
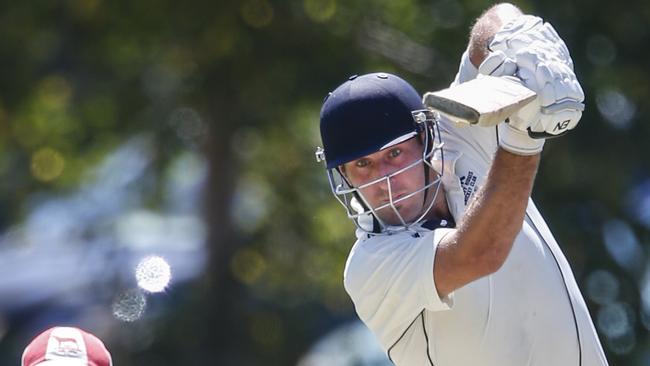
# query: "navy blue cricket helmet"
[[367, 114]]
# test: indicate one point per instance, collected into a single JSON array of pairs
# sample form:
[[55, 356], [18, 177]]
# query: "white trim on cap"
[[399, 140]]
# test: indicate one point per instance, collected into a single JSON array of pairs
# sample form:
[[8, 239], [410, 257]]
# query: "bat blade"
[[485, 101]]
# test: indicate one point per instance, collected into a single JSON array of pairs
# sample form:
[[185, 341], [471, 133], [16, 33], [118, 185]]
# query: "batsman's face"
[[384, 163]]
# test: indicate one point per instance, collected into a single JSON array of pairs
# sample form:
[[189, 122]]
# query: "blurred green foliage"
[[80, 76]]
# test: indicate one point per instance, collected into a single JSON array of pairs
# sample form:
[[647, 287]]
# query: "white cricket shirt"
[[529, 312]]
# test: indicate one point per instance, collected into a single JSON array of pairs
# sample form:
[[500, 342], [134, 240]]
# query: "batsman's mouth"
[[386, 205], [395, 197]]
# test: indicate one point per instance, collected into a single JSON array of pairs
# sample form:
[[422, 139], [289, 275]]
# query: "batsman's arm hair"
[[485, 234], [484, 29]]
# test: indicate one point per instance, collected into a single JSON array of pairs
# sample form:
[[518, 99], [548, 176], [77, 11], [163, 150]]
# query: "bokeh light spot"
[[247, 143], [614, 320], [129, 306], [602, 287], [644, 317], [347, 345], [623, 245], [600, 50], [188, 125], [638, 202], [248, 265], [623, 344], [45, 116], [250, 205], [54, 91], [320, 10], [257, 13], [644, 288], [47, 164], [616, 108], [153, 274]]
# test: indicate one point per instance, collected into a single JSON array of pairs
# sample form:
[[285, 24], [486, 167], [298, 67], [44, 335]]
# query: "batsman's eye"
[[395, 152], [361, 163]]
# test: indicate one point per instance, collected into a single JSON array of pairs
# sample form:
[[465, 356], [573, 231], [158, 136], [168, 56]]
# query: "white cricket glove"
[[526, 29], [532, 51]]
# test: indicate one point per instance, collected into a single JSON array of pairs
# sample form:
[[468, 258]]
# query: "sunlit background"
[[159, 186]]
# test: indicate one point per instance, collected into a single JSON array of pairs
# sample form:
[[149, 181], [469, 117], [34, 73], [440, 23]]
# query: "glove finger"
[[547, 95], [519, 42], [527, 59], [575, 91], [498, 43], [565, 83], [528, 77], [543, 75], [512, 28], [567, 74], [529, 115], [494, 64], [550, 47], [509, 67], [561, 88], [522, 24], [491, 63], [545, 51], [551, 35]]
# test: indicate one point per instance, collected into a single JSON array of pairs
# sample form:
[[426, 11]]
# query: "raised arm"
[[494, 217], [485, 234]]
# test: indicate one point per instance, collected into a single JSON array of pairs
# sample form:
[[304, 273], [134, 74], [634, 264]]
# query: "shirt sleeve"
[[466, 70], [477, 143], [390, 280]]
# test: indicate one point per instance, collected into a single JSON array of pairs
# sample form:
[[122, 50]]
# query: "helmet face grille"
[[368, 218], [364, 114]]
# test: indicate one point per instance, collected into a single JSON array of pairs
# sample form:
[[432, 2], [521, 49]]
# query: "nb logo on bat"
[[562, 125]]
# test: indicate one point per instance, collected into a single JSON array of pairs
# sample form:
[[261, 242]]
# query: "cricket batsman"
[[453, 263]]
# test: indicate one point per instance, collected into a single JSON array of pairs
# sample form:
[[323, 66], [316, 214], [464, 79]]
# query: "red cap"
[[66, 346]]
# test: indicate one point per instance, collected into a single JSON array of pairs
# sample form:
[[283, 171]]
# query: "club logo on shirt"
[[468, 183]]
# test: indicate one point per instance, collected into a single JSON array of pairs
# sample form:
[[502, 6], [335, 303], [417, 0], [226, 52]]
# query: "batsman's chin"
[[398, 214]]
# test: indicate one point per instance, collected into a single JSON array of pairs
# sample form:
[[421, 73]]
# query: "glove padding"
[[526, 29], [532, 51]]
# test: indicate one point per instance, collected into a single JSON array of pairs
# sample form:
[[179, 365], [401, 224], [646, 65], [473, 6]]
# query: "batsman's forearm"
[[495, 216], [486, 232]]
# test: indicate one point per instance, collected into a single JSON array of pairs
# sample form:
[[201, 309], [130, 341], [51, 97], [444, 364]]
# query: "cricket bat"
[[484, 101]]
